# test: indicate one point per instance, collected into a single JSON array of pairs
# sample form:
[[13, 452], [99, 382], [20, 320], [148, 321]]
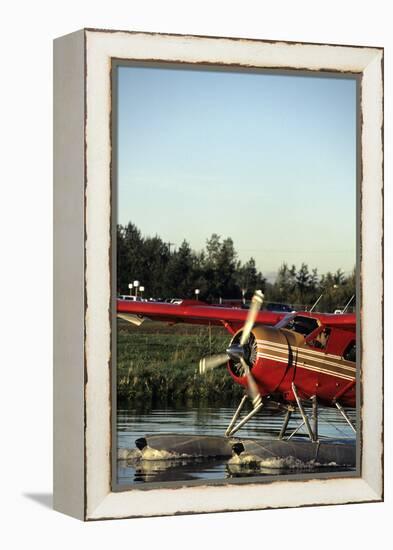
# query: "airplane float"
[[282, 360]]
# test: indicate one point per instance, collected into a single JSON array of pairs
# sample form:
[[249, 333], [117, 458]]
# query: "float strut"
[[285, 425], [245, 419], [345, 415], [304, 416], [236, 415], [296, 430], [315, 417]]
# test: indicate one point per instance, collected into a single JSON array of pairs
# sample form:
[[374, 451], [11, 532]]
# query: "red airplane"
[[281, 359]]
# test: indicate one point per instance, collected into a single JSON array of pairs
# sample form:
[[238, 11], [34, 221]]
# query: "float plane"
[[282, 360]]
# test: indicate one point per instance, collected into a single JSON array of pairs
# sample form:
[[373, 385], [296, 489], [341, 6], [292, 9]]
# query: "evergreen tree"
[[180, 273], [338, 277], [283, 286], [220, 268], [153, 264], [302, 281], [217, 273], [249, 279], [129, 252], [226, 270]]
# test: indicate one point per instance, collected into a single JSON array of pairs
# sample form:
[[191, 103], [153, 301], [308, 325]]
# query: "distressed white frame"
[[99, 47]]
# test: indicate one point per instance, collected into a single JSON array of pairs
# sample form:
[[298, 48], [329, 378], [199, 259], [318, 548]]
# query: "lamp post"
[[141, 290], [197, 291], [136, 285], [130, 287], [244, 290]]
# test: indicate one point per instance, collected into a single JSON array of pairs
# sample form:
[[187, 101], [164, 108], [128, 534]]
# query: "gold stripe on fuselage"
[[306, 350], [318, 358], [311, 367]]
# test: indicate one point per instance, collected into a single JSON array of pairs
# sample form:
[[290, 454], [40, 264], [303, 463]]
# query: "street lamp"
[[130, 287], [244, 290], [136, 284], [197, 291], [142, 290]]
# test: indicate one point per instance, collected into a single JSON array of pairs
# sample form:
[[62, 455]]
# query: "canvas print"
[[235, 235]]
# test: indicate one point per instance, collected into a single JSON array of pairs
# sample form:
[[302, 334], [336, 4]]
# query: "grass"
[[158, 363]]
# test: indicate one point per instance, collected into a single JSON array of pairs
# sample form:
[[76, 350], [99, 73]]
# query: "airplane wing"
[[231, 318]]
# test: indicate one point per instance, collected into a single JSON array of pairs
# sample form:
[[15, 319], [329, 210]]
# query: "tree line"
[[219, 275]]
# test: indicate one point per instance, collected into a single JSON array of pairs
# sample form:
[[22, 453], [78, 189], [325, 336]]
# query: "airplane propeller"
[[236, 351], [255, 306], [209, 363], [252, 385]]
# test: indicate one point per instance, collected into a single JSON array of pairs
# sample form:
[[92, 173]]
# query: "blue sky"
[[269, 160]]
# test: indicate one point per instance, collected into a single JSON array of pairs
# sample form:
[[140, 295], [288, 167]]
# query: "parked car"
[[131, 298], [279, 308]]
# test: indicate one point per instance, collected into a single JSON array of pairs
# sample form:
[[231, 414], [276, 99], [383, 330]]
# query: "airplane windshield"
[[302, 325]]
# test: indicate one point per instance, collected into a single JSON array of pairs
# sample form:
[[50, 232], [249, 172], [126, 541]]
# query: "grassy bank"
[[159, 363]]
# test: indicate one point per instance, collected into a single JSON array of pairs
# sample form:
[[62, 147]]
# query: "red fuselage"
[[281, 357]]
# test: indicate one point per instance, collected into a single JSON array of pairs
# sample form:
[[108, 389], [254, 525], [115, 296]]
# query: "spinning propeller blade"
[[252, 385], [255, 306], [208, 363], [212, 362]]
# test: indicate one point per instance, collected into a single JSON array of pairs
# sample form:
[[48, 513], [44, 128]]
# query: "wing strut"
[[228, 327]]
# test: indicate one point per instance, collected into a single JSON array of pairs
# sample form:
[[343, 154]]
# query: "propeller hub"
[[236, 351]]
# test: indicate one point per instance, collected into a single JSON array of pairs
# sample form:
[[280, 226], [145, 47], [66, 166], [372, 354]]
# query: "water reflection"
[[133, 423], [171, 470]]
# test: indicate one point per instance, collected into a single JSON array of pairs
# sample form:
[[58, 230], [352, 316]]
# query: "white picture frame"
[[82, 290]]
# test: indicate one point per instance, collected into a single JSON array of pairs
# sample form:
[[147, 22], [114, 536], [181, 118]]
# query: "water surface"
[[133, 423]]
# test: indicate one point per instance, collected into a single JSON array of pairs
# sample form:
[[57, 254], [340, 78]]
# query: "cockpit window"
[[321, 339], [350, 352], [302, 325]]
